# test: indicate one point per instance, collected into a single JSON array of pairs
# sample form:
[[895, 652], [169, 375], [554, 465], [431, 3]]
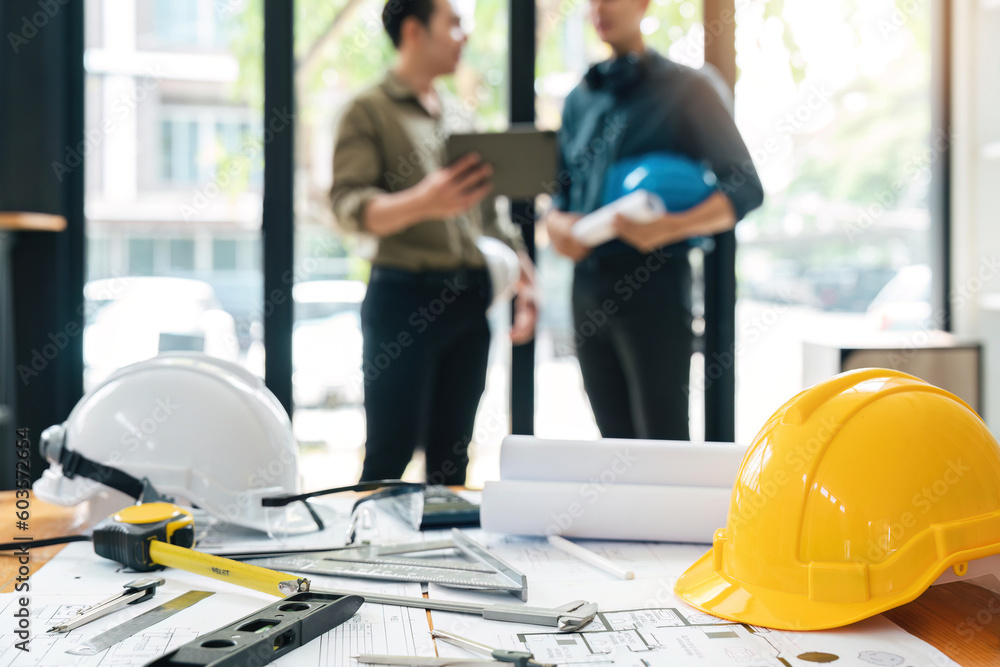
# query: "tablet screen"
[[524, 161]]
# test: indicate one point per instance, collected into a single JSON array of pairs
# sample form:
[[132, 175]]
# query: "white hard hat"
[[196, 429], [503, 265]]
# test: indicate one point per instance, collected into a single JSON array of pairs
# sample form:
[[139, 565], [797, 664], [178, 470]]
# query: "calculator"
[[442, 508]]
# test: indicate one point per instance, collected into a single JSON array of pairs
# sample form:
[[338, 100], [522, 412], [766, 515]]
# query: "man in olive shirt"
[[426, 336]]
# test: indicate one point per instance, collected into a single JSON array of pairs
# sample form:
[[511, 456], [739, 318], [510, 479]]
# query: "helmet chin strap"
[[53, 447]]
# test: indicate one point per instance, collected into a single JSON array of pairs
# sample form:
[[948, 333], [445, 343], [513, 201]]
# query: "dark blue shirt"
[[640, 104]]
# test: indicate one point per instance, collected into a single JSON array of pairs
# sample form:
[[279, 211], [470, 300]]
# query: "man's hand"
[[712, 216], [451, 190], [560, 228], [442, 193], [645, 237]]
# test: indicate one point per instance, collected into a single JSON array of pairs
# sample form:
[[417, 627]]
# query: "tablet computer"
[[524, 160]]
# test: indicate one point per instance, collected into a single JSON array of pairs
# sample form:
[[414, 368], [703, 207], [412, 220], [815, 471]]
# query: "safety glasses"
[[292, 515]]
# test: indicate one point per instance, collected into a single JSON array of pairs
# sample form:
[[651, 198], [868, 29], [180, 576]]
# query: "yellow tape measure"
[[153, 535]]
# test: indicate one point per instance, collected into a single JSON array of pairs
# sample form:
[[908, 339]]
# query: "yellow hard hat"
[[853, 498]]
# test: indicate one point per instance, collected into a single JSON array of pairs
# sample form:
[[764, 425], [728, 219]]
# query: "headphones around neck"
[[619, 75]]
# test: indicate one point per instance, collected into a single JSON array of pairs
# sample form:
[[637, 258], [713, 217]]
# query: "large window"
[[174, 181], [834, 101]]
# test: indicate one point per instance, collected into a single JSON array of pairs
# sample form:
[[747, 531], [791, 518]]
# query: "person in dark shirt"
[[632, 295]]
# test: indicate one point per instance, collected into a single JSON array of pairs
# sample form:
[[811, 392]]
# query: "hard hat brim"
[[705, 589]]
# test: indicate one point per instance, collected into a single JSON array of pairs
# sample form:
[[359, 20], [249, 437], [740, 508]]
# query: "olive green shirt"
[[386, 142]]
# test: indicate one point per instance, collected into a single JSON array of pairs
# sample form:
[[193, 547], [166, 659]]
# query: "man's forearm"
[[392, 212], [713, 216]]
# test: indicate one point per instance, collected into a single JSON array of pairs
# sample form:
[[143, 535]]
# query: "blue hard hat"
[[677, 179]]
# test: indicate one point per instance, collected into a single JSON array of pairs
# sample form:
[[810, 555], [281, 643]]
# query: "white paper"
[[674, 637], [639, 206], [612, 461], [642, 624], [638, 614], [77, 577], [610, 512]]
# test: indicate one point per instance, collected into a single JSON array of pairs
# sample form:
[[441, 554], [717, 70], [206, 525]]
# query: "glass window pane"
[[98, 257], [176, 21], [833, 100], [141, 257], [158, 198], [224, 255], [341, 49], [181, 254]]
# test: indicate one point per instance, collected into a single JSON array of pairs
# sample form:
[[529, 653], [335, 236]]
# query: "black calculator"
[[442, 508]]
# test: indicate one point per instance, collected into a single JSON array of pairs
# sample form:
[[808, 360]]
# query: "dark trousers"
[[632, 332], [426, 342]]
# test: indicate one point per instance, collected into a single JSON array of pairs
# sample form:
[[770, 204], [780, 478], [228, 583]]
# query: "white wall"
[[976, 186]]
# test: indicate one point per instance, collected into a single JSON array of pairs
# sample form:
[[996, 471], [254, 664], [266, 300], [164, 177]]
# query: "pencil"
[[588, 556]]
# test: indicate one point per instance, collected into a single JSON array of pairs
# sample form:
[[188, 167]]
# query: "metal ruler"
[[109, 638], [485, 572]]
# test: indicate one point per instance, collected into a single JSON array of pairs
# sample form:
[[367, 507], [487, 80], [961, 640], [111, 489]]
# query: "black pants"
[[632, 332], [426, 342]]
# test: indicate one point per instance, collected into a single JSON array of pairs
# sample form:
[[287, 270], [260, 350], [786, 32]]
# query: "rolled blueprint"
[[609, 512], [639, 206], [610, 461]]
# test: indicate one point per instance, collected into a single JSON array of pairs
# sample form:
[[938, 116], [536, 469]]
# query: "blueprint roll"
[[608, 512], [639, 206], [611, 461]]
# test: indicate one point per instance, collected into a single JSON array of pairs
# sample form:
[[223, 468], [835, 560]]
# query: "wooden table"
[[959, 619], [31, 222]]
